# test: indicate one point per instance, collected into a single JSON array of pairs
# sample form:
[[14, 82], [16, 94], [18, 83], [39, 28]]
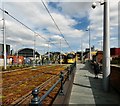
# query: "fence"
[[36, 100]]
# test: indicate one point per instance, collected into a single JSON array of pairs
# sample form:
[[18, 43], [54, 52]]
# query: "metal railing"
[[36, 100]]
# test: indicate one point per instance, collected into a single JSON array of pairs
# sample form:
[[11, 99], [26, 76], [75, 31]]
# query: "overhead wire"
[[37, 34], [55, 23], [22, 23]]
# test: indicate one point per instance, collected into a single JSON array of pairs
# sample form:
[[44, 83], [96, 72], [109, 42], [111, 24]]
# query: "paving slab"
[[87, 90]]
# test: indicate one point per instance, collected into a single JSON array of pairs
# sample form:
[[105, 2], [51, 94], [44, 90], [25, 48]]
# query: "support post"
[[90, 43], [60, 52], [69, 78], [4, 41], [62, 78], [106, 47], [36, 99]]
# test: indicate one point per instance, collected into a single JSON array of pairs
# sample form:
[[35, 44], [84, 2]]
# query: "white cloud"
[[34, 15], [75, 9], [96, 19], [48, 0]]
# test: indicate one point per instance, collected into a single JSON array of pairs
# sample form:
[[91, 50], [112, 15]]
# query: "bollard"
[[36, 99], [62, 78]]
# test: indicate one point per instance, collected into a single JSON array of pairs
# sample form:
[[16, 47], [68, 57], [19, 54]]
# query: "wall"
[[115, 77]]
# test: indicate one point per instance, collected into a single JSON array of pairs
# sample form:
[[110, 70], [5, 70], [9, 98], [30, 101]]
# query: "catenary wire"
[[55, 24], [26, 26]]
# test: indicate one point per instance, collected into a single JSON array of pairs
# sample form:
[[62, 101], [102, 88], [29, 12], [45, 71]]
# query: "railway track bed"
[[17, 85]]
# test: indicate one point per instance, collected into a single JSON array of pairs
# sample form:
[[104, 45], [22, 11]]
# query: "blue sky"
[[82, 23], [73, 18]]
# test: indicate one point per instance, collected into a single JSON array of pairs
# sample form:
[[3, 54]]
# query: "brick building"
[[115, 52]]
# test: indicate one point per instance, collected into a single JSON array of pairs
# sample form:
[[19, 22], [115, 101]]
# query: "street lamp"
[[106, 45], [89, 42]]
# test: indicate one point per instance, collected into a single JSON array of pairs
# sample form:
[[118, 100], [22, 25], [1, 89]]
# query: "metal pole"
[[106, 47], [48, 52], [60, 52], [89, 42], [34, 48], [17, 58], [81, 52], [34, 51], [4, 41]]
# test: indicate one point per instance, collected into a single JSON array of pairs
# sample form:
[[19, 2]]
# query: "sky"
[[72, 18]]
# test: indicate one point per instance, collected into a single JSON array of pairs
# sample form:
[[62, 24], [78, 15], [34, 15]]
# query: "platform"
[[87, 90]]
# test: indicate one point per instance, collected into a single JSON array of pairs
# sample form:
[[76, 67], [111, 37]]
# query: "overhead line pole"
[[81, 51], [4, 41], [60, 52], [90, 42], [48, 51]]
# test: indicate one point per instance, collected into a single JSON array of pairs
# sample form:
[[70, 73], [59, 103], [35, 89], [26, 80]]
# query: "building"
[[15, 60], [115, 52], [88, 49], [27, 52]]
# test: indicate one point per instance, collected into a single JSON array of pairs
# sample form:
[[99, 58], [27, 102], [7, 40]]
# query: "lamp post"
[[34, 57], [4, 41], [60, 52], [48, 52], [106, 46], [89, 42], [81, 52]]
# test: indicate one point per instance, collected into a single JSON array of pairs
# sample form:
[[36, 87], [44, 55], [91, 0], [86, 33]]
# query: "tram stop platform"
[[85, 90]]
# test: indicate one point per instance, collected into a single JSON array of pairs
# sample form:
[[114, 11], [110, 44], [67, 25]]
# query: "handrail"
[[35, 92], [41, 86], [50, 90], [36, 100]]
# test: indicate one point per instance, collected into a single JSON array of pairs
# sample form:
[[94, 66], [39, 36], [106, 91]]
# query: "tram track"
[[41, 80]]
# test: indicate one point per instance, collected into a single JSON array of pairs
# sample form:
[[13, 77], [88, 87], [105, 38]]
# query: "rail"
[[36, 100]]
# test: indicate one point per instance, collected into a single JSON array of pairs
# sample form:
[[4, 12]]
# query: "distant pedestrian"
[[96, 69]]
